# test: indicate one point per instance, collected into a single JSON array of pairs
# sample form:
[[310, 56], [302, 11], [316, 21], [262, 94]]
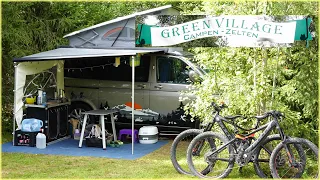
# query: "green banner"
[[302, 32], [144, 35]]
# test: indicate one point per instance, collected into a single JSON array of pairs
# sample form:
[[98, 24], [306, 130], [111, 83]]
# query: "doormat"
[[69, 147]]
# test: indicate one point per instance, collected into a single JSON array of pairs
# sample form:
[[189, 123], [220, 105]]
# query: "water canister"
[[41, 141], [31, 125]]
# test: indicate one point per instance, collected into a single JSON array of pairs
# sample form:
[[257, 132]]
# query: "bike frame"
[[251, 149]]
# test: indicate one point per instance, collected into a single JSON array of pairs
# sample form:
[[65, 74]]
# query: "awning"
[[38, 62], [69, 53]]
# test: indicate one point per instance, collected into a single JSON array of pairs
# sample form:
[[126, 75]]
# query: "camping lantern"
[[136, 60]]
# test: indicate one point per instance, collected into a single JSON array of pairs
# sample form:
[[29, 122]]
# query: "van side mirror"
[[193, 76]]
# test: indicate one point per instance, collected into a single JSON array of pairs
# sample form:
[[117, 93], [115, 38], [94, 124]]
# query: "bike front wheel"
[[205, 161], [288, 162], [262, 155], [178, 152]]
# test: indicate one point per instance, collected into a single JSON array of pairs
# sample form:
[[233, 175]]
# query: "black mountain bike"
[[260, 160], [212, 154]]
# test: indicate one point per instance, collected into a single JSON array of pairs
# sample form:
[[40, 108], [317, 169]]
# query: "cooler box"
[[148, 135]]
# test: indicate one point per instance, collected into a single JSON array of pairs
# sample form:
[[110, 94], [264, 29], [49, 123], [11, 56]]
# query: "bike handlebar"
[[217, 107], [273, 113]]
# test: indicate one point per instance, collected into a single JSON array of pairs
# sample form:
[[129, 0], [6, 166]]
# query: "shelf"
[[48, 105]]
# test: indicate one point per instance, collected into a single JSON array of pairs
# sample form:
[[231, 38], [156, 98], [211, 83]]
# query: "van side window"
[[171, 70], [103, 69]]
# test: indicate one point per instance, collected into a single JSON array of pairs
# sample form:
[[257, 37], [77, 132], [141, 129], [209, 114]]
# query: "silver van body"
[[159, 81]]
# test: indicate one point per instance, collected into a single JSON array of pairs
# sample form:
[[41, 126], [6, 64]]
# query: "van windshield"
[[190, 57], [195, 64]]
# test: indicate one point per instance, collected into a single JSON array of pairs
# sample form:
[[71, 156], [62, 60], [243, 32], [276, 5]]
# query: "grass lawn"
[[154, 165]]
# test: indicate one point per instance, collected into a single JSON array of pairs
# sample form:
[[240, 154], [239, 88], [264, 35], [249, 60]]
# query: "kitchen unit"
[[54, 116]]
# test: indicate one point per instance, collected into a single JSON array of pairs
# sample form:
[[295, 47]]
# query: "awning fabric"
[[70, 53], [28, 68]]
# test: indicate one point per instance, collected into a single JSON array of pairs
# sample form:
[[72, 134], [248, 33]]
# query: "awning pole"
[[132, 104], [14, 101]]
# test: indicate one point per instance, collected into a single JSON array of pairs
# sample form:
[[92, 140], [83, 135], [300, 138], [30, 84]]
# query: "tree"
[[253, 80]]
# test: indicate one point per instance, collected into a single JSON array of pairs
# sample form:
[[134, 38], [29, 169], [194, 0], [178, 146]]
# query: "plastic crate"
[[25, 138]]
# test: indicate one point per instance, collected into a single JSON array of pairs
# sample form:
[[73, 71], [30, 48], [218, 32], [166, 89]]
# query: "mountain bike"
[[260, 161], [217, 160]]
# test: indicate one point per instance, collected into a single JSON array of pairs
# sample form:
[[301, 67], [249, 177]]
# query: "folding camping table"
[[100, 113]]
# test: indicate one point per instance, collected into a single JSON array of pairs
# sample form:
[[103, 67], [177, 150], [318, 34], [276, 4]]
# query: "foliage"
[[255, 80], [250, 8]]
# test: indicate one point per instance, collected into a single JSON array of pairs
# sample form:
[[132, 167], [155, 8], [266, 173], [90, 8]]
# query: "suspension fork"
[[196, 150], [288, 150], [209, 127]]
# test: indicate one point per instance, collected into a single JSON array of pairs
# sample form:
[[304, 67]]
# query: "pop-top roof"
[[150, 11], [71, 53]]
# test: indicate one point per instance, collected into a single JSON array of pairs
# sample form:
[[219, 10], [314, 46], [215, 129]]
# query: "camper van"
[[95, 72], [100, 74], [160, 77]]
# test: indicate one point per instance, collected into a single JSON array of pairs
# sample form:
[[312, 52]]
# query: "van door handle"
[[159, 86], [142, 86]]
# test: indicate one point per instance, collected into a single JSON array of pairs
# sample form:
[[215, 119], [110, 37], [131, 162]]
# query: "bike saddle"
[[233, 117]]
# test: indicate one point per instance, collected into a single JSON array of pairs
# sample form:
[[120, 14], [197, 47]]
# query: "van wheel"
[[76, 109]]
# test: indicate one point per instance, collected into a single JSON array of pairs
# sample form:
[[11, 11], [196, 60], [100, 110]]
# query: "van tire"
[[76, 108]]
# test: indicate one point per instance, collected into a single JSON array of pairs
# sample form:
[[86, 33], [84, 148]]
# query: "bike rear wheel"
[[289, 162], [203, 163], [178, 152]]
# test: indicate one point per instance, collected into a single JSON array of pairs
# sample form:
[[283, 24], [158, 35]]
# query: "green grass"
[[154, 165]]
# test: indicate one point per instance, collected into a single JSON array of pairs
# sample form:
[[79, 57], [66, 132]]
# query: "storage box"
[[25, 138], [148, 135], [94, 142]]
